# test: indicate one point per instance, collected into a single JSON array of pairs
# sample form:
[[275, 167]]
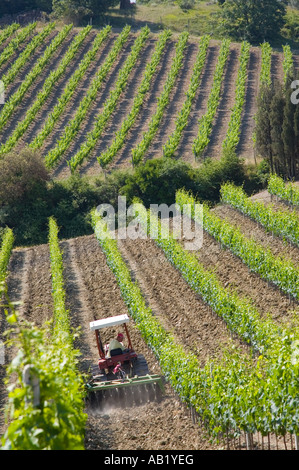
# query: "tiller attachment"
[[126, 392]]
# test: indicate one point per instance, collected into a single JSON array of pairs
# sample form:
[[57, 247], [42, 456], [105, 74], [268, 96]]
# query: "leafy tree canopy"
[[253, 20], [71, 9], [15, 6], [82, 9]]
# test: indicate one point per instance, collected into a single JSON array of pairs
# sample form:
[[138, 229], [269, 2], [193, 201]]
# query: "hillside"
[[68, 93], [70, 108]]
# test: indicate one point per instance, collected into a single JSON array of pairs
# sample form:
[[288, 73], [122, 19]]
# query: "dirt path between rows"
[[199, 106], [226, 103]]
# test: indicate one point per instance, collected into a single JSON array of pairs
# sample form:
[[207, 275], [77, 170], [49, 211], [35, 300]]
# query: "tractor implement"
[[121, 378]]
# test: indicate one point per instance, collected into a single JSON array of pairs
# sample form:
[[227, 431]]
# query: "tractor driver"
[[116, 344]]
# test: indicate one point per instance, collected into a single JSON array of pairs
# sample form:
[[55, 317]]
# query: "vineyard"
[[220, 324], [91, 101]]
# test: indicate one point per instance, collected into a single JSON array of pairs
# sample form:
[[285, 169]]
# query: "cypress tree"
[[276, 117], [296, 130], [288, 132], [263, 127]]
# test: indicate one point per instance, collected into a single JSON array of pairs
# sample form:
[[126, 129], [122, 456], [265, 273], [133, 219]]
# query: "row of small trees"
[[277, 129]]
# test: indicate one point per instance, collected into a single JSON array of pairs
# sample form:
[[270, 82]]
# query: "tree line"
[[73, 9]]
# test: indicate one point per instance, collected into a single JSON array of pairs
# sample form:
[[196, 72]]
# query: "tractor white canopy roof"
[[110, 321]]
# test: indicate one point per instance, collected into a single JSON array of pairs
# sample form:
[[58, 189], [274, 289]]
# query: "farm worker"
[[116, 344]]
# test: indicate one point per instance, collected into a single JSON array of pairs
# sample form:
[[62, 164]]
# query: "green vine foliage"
[[54, 418], [233, 394], [57, 421], [5, 252]]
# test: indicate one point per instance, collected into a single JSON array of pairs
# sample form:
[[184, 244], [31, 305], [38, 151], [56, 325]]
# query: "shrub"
[[22, 174]]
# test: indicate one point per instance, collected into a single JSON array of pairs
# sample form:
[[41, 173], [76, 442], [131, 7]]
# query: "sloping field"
[[93, 292], [92, 100], [96, 99]]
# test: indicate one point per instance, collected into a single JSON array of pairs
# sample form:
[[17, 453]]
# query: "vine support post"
[[247, 438], [30, 379]]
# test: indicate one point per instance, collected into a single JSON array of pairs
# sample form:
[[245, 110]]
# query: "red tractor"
[[121, 376]]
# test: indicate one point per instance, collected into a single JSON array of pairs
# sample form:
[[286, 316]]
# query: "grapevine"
[[71, 130], [139, 151], [17, 97], [111, 103], [69, 89], [44, 93], [106, 157], [173, 141], [205, 123], [232, 137]]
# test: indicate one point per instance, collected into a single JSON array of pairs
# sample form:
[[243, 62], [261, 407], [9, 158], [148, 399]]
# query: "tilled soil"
[[92, 293], [224, 109], [144, 427]]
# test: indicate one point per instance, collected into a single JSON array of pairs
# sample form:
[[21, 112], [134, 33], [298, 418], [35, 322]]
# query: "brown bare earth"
[[226, 103]]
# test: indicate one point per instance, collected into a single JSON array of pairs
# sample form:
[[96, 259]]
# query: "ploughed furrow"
[[20, 112], [279, 305], [176, 100], [124, 156], [254, 230], [245, 148], [179, 309], [277, 67], [296, 62], [79, 94], [93, 293], [223, 113], [91, 166], [29, 284], [63, 170]]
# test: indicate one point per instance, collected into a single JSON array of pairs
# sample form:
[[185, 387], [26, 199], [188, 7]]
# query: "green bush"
[[70, 200], [22, 175]]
